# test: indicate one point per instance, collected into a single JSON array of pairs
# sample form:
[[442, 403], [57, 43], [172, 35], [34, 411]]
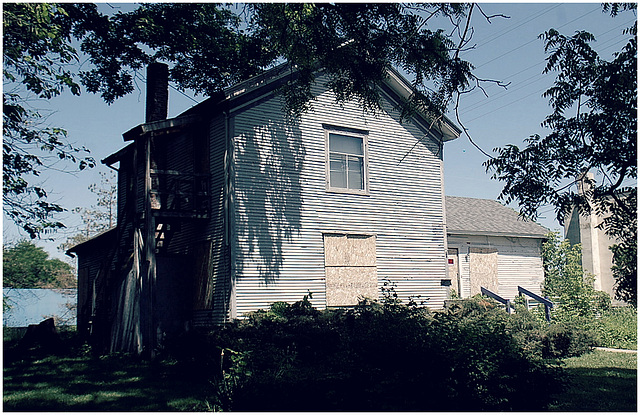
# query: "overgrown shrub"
[[582, 315], [376, 357], [565, 282], [617, 327], [555, 340], [562, 340]]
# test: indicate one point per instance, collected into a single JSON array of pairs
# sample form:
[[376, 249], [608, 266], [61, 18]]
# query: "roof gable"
[[470, 216], [252, 89], [274, 78]]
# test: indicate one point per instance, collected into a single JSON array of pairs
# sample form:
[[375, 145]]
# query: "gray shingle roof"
[[487, 217]]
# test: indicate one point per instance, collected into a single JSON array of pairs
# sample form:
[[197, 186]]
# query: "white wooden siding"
[[282, 208], [519, 262]]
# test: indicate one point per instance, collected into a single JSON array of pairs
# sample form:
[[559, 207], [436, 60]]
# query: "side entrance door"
[[453, 271]]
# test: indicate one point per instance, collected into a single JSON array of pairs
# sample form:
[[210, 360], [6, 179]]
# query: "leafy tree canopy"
[[209, 47], [36, 54], [25, 265], [593, 128]]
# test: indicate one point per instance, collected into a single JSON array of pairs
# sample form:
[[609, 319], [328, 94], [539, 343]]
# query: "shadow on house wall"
[[269, 161]]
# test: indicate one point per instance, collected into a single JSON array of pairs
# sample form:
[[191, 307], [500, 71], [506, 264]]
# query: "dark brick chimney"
[[157, 92]]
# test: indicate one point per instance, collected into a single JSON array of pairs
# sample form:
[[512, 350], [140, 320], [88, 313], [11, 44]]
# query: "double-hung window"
[[347, 162]]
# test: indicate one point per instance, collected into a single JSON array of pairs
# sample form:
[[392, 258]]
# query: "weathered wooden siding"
[[213, 281], [203, 239], [178, 156], [93, 261], [519, 262], [125, 174], [99, 279], [282, 208]]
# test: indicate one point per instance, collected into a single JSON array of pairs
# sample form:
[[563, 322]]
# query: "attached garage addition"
[[490, 246]]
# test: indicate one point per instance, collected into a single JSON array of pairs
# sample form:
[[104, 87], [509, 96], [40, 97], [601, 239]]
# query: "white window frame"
[[365, 150]]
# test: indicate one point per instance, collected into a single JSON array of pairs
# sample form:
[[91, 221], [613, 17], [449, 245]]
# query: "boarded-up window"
[[350, 268], [483, 269]]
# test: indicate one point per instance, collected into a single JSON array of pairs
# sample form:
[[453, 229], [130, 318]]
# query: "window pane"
[[338, 163], [338, 179], [338, 170], [345, 144], [355, 174]]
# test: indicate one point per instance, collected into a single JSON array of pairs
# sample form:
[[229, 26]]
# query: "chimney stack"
[[157, 92]]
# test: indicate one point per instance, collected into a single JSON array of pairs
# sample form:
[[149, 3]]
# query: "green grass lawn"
[[600, 381], [73, 381], [87, 383]]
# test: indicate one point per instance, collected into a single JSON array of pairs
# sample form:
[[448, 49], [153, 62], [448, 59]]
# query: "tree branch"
[[492, 16], [466, 131], [464, 34]]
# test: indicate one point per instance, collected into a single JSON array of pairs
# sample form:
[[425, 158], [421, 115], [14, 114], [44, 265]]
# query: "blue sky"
[[509, 50], [506, 49]]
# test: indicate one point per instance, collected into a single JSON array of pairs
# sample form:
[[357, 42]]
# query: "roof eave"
[[504, 234], [117, 156], [162, 125], [101, 235], [277, 75], [398, 83]]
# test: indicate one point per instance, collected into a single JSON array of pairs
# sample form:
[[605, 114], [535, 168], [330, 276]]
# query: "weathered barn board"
[[203, 285], [126, 333]]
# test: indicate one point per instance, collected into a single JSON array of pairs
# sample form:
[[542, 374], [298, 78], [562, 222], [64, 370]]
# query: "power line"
[[489, 39], [180, 92], [533, 40], [500, 94], [507, 104], [143, 78], [603, 46]]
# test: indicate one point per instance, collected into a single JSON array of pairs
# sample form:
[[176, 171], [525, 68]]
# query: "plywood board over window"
[[483, 269], [350, 268]]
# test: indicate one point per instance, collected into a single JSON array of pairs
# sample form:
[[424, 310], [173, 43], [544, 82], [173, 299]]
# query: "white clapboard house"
[[232, 206]]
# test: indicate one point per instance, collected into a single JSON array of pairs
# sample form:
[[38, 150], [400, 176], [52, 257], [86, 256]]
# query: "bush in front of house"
[[579, 309], [554, 340], [562, 340], [377, 356], [617, 327]]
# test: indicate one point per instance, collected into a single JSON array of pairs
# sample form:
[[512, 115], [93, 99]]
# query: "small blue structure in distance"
[[31, 306]]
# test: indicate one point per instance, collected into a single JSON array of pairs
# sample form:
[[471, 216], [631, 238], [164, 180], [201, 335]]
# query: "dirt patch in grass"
[[600, 381]]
